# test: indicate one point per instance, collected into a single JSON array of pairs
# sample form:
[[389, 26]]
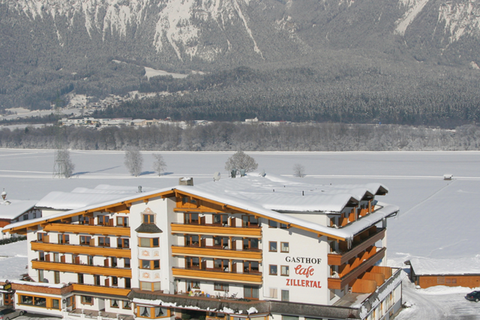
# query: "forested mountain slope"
[[370, 52]]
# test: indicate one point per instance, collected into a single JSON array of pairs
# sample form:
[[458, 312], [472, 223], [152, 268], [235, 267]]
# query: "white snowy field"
[[438, 218]]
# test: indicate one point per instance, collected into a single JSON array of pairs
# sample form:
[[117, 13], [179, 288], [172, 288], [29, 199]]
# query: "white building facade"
[[251, 247]]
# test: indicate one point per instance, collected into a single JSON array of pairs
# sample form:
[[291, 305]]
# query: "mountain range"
[[52, 48]]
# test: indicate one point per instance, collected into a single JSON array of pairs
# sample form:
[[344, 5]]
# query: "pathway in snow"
[[437, 303]]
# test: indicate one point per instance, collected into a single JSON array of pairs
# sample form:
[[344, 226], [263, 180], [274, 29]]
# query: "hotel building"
[[258, 247]]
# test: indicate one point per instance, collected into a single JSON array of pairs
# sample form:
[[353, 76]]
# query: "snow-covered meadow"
[[437, 219]]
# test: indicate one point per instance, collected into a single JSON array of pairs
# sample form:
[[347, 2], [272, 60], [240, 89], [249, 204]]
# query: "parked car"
[[473, 296], [10, 313]]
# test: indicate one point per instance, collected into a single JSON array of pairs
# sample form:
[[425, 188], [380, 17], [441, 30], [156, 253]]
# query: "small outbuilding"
[[426, 272]]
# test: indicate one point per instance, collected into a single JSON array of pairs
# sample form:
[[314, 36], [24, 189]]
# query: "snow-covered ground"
[[437, 219]]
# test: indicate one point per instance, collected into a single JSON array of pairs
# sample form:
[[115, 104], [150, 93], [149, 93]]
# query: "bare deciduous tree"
[[63, 164], [159, 165], [239, 160], [133, 161], [298, 170]]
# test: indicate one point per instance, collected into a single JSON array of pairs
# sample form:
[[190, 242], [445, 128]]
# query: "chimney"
[[185, 181]]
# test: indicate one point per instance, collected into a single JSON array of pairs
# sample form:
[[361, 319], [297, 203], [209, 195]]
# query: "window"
[[87, 300], [191, 218], [272, 224], [284, 247], [194, 285], [272, 245], [150, 286], [273, 293], [126, 304], [160, 312], [144, 312], [250, 266], [149, 242], [113, 262], [57, 276], [251, 292], [128, 283], [149, 264], [114, 303], [220, 264], [273, 269], [63, 239], [28, 300], [220, 219], [221, 242], [41, 277], [192, 262], [218, 286], [104, 241], [250, 243], [285, 295], [284, 317], [123, 243], [41, 256], [145, 286], [90, 260], [283, 226], [285, 270], [80, 278], [42, 237], [191, 240], [148, 218], [34, 215], [85, 240], [114, 281], [25, 217], [40, 302], [56, 257], [56, 304], [103, 220], [249, 221], [122, 221], [96, 280], [126, 262]]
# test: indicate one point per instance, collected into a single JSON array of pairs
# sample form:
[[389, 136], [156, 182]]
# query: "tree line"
[[349, 94], [229, 136]]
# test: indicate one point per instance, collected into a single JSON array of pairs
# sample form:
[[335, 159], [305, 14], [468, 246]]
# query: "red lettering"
[[307, 272], [303, 283]]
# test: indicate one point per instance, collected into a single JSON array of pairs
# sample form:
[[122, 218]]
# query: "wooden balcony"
[[355, 272], [339, 259], [77, 249], [88, 229], [100, 289], [217, 275], [82, 268], [216, 230], [217, 253]]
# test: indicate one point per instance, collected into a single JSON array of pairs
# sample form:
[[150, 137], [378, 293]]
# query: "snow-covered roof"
[[81, 197], [282, 194], [13, 208], [254, 193], [458, 266]]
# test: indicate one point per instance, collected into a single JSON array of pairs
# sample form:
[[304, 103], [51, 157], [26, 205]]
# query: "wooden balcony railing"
[[335, 259], [88, 229], [82, 268], [216, 230], [350, 275], [250, 278], [100, 289], [217, 253], [77, 249]]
